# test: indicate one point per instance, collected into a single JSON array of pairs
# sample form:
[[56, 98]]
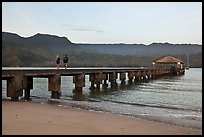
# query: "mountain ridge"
[[41, 49], [52, 35]]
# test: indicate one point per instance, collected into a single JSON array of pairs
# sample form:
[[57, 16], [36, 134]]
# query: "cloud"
[[81, 28]]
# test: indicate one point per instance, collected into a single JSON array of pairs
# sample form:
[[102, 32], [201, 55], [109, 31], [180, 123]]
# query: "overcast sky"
[[107, 22]]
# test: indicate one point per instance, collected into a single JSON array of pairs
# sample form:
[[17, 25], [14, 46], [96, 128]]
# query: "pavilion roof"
[[168, 59]]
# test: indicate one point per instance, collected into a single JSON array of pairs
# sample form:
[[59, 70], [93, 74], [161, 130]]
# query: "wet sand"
[[28, 118]]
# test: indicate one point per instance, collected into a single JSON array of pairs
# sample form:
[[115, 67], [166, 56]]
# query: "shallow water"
[[175, 100]]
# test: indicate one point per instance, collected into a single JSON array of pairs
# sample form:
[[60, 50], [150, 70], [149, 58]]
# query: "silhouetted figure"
[[65, 60], [58, 61]]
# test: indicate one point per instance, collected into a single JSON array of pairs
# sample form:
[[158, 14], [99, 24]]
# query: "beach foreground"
[[21, 118]]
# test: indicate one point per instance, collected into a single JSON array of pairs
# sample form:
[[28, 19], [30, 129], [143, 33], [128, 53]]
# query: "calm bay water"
[[174, 100]]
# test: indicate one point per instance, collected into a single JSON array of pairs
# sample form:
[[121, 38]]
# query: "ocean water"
[[174, 100]]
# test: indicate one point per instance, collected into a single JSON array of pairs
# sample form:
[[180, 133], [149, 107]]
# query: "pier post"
[[15, 87], [169, 71], [148, 72], [28, 88], [153, 73], [122, 76], [79, 81], [105, 78], [91, 79], [54, 85], [98, 80], [144, 74], [131, 76], [140, 75], [112, 79], [137, 76], [157, 72], [162, 71]]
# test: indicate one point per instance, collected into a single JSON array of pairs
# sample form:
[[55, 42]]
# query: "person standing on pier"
[[65, 60], [58, 61]]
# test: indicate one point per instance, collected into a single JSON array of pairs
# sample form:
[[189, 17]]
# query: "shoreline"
[[31, 118]]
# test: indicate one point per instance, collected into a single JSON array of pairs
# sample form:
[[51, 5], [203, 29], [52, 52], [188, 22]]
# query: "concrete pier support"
[[160, 72], [142, 75], [54, 85], [168, 71], [79, 81], [148, 73], [112, 79], [145, 75], [15, 86], [131, 75], [157, 73], [153, 74], [28, 88], [91, 79], [105, 78], [137, 76], [163, 72], [122, 76], [96, 79]]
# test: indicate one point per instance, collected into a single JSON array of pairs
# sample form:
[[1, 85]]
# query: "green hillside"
[[40, 50]]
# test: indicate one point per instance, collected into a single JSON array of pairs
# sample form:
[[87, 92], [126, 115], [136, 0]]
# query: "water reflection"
[[122, 85], [78, 95], [56, 94], [105, 89]]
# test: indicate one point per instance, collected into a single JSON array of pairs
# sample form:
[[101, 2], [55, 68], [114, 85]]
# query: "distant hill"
[[153, 49], [41, 49]]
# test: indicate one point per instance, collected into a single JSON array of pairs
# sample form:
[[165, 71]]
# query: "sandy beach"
[[28, 118]]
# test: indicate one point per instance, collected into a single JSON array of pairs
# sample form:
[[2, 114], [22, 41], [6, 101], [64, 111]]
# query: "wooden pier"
[[20, 80]]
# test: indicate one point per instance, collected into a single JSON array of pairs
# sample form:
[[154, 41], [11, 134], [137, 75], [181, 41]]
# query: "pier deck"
[[20, 80]]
